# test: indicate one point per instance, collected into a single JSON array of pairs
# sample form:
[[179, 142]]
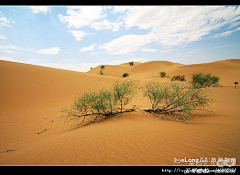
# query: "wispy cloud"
[[168, 50], [9, 51], [38, 9], [225, 33], [50, 51], [9, 48], [192, 51], [169, 26], [217, 47], [89, 48], [4, 21], [3, 37], [177, 25], [7, 58], [149, 50]]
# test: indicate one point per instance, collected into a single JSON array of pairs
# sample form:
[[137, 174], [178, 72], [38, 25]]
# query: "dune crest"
[[227, 70]]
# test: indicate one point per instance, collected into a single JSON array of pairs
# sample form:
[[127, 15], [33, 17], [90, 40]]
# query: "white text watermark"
[[217, 161]]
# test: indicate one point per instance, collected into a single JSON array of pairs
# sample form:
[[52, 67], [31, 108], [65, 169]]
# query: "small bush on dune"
[[174, 99], [124, 92], [125, 74], [162, 74], [96, 106], [131, 63], [91, 107], [178, 77], [200, 80]]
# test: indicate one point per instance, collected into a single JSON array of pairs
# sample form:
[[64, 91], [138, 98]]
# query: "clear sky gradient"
[[80, 37]]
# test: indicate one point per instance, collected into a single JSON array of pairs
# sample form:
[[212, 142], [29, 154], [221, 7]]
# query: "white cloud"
[[220, 46], [95, 53], [38, 9], [149, 50], [9, 51], [52, 50], [79, 16], [10, 46], [89, 48], [105, 24], [78, 34], [121, 9], [168, 50], [92, 16], [4, 21], [126, 44], [7, 59], [222, 34], [116, 26], [192, 51], [2, 37], [225, 33], [166, 25], [176, 25]]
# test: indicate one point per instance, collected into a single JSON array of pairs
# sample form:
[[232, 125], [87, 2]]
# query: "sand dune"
[[33, 132], [227, 70]]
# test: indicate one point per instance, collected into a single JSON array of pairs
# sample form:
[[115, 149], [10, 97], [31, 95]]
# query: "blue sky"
[[80, 37]]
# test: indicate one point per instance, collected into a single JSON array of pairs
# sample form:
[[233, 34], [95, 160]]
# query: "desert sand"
[[34, 133]]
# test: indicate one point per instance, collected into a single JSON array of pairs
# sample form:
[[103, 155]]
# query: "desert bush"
[[125, 74], [175, 99], [95, 106], [124, 92], [101, 72], [92, 106], [178, 77], [102, 67], [200, 80], [131, 63], [162, 74]]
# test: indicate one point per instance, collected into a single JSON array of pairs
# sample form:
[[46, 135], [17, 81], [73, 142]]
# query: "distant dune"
[[227, 70], [33, 132]]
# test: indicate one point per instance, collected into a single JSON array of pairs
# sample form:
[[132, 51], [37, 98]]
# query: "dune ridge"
[[227, 70], [33, 132]]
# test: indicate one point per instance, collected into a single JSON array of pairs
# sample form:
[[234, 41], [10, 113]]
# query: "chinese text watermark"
[[219, 161]]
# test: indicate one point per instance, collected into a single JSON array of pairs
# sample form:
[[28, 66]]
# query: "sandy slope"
[[32, 96], [227, 70]]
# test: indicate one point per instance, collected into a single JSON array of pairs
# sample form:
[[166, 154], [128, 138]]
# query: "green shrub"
[[200, 80], [162, 74], [95, 106], [125, 74], [101, 72], [123, 92], [131, 63], [178, 77], [102, 67], [175, 99], [91, 107]]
